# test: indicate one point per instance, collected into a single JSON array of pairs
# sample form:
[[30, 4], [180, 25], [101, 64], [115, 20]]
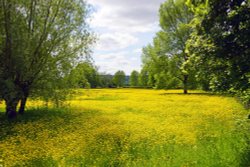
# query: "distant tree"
[[162, 68], [84, 75], [39, 43], [106, 80], [119, 78], [134, 78], [143, 78]]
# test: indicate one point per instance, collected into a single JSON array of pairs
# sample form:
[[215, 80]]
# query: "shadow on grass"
[[169, 93], [246, 161], [51, 120], [198, 94], [45, 115], [41, 162], [102, 98]]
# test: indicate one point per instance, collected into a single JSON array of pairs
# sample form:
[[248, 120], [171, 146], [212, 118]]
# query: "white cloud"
[[124, 26], [126, 15], [138, 50], [115, 61], [115, 41]]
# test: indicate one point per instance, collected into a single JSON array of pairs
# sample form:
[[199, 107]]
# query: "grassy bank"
[[130, 127]]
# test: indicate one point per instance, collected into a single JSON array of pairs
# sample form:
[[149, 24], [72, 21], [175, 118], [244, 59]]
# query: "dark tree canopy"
[[220, 45]]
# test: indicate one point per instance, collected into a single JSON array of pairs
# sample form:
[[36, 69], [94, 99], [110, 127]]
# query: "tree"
[[175, 17], [106, 80], [143, 78], [119, 78], [40, 41], [134, 78], [165, 60], [156, 63], [220, 44], [83, 75]]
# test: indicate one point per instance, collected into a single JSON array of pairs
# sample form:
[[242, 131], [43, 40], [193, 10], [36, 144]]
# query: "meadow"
[[129, 127]]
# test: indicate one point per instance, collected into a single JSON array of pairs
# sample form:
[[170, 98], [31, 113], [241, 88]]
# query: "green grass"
[[130, 127]]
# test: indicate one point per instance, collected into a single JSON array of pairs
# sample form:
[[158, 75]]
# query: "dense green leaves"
[[202, 43], [119, 78], [166, 60], [220, 45], [40, 41], [84, 75], [134, 78]]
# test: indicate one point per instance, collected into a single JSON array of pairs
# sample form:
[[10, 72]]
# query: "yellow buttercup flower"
[[128, 127]]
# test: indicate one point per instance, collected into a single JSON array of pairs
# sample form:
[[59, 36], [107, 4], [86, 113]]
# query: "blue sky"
[[123, 27]]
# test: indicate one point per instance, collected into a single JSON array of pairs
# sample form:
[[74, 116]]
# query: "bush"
[[245, 97]]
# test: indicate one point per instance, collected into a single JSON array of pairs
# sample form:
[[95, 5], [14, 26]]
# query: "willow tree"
[[175, 18], [39, 42]]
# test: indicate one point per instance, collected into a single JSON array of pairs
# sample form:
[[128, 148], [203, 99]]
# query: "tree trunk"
[[24, 97], [185, 84], [22, 105], [11, 105]]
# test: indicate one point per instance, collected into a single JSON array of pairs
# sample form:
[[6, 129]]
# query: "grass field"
[[130, 127]]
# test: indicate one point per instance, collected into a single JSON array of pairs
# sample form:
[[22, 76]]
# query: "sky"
[[123, 28]]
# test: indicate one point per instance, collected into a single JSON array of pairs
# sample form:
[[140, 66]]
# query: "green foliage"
[[143, 78], [166, 61], [40, 43], [84, 75], [106, 80], [244, 97], [161, 81], [119, 78], [203, 44], [134, 78], [220, 45]]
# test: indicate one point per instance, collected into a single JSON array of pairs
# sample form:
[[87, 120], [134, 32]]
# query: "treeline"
[[201, 44], [86, 75]]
